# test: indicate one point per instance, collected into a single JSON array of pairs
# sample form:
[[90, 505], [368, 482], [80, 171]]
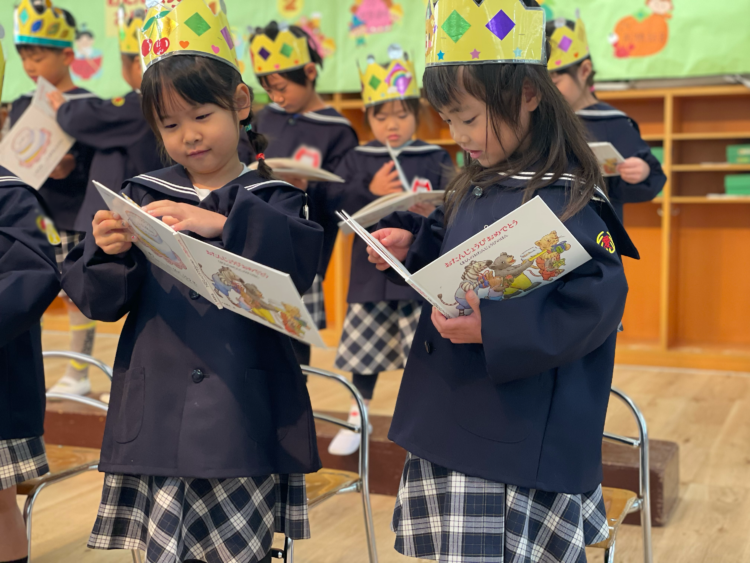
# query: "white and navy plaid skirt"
[[315, 302], [377, 336], [68, 241], [173, 519], [20, 460], [450, 517]]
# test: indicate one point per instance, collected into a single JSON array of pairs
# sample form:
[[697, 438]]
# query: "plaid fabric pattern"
[[450, 517], [315, 303], [377, 336], [68, 241], [21, 460], [214, 520]]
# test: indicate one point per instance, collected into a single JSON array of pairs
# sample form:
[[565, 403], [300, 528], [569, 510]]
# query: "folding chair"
[[328, 483], [619, 502]]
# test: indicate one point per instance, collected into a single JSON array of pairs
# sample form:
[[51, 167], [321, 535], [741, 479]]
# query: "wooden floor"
[[707, 413]]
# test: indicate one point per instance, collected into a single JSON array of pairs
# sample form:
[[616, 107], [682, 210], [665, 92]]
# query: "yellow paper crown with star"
[[284, 53], [42, 24], [396, 80], [460, 32], [567, 46], [189, 28], [128, 28]]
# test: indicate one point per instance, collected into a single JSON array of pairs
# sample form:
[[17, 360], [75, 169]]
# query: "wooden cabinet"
[[689, 301]]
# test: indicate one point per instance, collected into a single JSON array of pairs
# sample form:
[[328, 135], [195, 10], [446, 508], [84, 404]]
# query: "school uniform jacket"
[[607, 124], [526, 407], [199, 391], [320, 138], [125, 144], [427, 167], [29, 281], [64, 198]]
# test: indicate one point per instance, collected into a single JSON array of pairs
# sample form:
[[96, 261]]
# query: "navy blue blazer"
[[64, 198], [199, 391], [321, 138], [425, 166], [527, 406], [29, 281], [607, 124]]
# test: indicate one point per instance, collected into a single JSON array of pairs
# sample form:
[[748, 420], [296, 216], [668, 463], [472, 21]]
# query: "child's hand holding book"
[[386, 180], [396, 241], [111, 233], [184, 217]]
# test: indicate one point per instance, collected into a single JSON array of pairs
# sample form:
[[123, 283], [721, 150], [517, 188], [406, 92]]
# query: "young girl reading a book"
[[382, 316], [210, 428], [502, 410], [299, 125], [640, 177]]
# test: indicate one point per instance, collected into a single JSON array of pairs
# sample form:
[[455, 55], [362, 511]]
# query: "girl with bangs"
[[210, 428], [502, 410]]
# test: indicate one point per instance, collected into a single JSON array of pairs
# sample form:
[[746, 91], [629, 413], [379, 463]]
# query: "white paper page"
[[401, 176], [156, 240], [296, 168], [608, 156], [40, 99], [528, 248], [36, 144], [255, 291], [372, 213]]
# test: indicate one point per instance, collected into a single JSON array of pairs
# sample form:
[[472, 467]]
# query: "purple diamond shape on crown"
[[501, 25], [565, 44], [264, 53]]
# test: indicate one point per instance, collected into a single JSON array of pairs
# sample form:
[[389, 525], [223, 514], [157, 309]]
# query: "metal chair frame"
[[643, 502]]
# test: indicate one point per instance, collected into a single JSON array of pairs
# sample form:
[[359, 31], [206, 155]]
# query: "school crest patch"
[[421, 185], [308, 155], [605, 241], [118, 102], [46, 226]]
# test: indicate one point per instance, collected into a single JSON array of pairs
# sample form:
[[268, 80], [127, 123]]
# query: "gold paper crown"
[[287, 52], [190, 28], [46, 29], [567, 46], [129, 44], [396, 80], [483, 31]]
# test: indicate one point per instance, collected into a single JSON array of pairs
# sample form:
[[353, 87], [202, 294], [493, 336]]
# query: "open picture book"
[[525, 250], [608, 156], [300, 169], [231, 282], [374, 211]]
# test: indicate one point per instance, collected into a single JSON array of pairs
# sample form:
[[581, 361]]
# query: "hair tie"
[[261, 156], [249, 127]]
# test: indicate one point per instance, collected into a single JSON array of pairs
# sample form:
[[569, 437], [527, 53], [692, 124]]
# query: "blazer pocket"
[[130, 414]]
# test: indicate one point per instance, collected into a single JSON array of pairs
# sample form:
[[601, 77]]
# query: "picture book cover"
[[608, 156]]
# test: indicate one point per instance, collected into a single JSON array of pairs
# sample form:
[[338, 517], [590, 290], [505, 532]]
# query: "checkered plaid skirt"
[[315, 303], [214, 520], [68, 241], [377, 336], [21, 460], [450, 517]]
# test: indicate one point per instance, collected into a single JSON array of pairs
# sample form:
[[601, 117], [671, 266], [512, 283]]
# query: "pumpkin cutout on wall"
[[643, 34]]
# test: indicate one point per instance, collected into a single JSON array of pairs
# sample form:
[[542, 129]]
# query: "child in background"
[[299, 125], [44, 38], [502, 410], [641, 177], [382, 316], [210, 428], [29, 281]]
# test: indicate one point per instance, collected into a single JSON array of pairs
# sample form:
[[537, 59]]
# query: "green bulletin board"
[[629, 39]]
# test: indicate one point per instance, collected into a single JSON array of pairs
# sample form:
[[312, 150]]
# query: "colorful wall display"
[[629, 39]]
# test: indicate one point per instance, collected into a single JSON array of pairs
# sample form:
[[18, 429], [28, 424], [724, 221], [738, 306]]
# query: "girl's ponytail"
[[259, 144]]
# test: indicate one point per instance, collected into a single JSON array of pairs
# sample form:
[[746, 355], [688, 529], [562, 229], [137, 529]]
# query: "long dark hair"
[[557, 142], [199, 80], [297, 75]]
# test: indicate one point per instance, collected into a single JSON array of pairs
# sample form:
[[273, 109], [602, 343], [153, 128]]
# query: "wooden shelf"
[[711, 167], [653, 137], [709, 136], [711, 200]]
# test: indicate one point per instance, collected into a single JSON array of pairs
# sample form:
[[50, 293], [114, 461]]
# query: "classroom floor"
[[707, 413]]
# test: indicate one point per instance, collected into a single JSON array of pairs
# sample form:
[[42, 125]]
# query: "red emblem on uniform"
[[308, 155], [605, 241], [421, 185]]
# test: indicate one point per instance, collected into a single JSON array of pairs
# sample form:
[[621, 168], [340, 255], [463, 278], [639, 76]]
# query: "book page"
[[156, 240], [608, 156], [300, 169], [525, 250], [372, 213], [255, 291], [36, 144]]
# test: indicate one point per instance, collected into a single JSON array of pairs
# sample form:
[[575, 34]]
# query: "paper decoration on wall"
[[643, 34], [290, 8], [325, 46], [87, 64], [373, 16]]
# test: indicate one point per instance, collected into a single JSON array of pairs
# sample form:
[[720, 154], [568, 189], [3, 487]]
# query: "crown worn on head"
[[396, 80], [129, 27], [190, 28], [568, 46], [43, 25], [2, 62], [461, 32], [286, 52]]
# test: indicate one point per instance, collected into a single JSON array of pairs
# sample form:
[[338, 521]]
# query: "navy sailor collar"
[[600, 111], [324, 116], [411, 147]]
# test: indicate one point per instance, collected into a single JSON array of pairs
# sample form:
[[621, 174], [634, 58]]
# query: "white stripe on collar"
[[601, 113], [70, 97], [170, 186], [10, 179], [259, 184], [406, 148], [315, 116]]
